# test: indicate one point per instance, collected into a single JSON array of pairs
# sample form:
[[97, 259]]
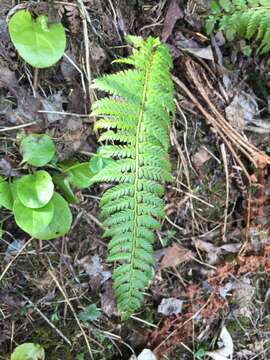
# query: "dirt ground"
[[212, 254]]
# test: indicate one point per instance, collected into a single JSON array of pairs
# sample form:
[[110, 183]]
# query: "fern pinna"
[[135, 120], [243, 18]]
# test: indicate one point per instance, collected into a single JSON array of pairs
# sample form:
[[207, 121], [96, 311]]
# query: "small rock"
[[170, 306]]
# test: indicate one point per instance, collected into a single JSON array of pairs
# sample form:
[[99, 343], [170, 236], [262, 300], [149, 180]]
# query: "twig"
[[212, 122], [85, 19], [73, 312], [257, 157], [35, 82], [78, 69], [14, 259], [86, 16], [44, 317], [184, 323], [186, 171], [224, 157], [16, 127]]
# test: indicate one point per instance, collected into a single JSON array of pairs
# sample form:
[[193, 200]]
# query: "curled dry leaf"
[[175, 255], [191, 46], [242, 110], [108, 304], [95, 270], [226, 351], [200, 158], [214, 252], [174, 13]]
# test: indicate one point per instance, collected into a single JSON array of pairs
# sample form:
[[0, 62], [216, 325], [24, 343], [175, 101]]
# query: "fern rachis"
[[243, 18], [135, 121]]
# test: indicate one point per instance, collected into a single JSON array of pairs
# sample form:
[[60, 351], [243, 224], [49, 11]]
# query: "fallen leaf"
[[170, 306], [93, 267], [242, 110], [244, 293], [226, 289], [13, 249], [174, 13], [190, 45], [175, 255], [8, 79], [225, 352], [214, 252], [7, 168], [200, 158], [54, 105], [108, 304], [146, 354], [73, 135]]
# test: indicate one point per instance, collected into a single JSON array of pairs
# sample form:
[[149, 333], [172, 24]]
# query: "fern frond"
[[135, 121], [243, 18]]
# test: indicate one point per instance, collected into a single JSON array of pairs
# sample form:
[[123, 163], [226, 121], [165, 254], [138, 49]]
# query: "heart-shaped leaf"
[[80, 175], [97, 163], [62, 183], [6, 198], [37, 149], [28, 351], [35, 191], [39, 44], [32, 220], [61, 221]]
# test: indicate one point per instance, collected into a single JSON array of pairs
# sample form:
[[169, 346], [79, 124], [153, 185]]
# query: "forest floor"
[[212, 253]]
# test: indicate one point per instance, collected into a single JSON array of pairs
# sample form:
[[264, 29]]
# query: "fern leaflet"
[[135, 120], [244, 18]]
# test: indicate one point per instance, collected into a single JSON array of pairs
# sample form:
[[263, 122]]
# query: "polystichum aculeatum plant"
[[135, 119], [243, 18]]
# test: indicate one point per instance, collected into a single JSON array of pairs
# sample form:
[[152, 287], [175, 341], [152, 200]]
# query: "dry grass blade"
[[73, 312]]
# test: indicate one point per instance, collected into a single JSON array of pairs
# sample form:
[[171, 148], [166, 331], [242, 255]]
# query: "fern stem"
[[137, 166]]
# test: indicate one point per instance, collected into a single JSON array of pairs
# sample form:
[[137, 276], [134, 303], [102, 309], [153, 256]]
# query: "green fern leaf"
[[135, 121], [245, 19]]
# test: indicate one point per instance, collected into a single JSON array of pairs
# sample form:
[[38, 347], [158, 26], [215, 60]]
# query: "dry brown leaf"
[[175, 255], [226, 352], [174, 13], [108, 304], [200, 158]]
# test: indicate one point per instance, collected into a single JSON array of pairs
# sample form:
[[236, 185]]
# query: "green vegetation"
[[135, 120], [38, 43], [38, 209], [90, 313], [28, 351], [243, 18]]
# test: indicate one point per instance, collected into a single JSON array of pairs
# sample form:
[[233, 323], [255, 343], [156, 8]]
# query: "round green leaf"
[[37, 150], [6, 198], [39, 44], [62, 183], [80, 175], [28, 351], [32, 220], [97, 163], [35, 191], [61, 221]]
